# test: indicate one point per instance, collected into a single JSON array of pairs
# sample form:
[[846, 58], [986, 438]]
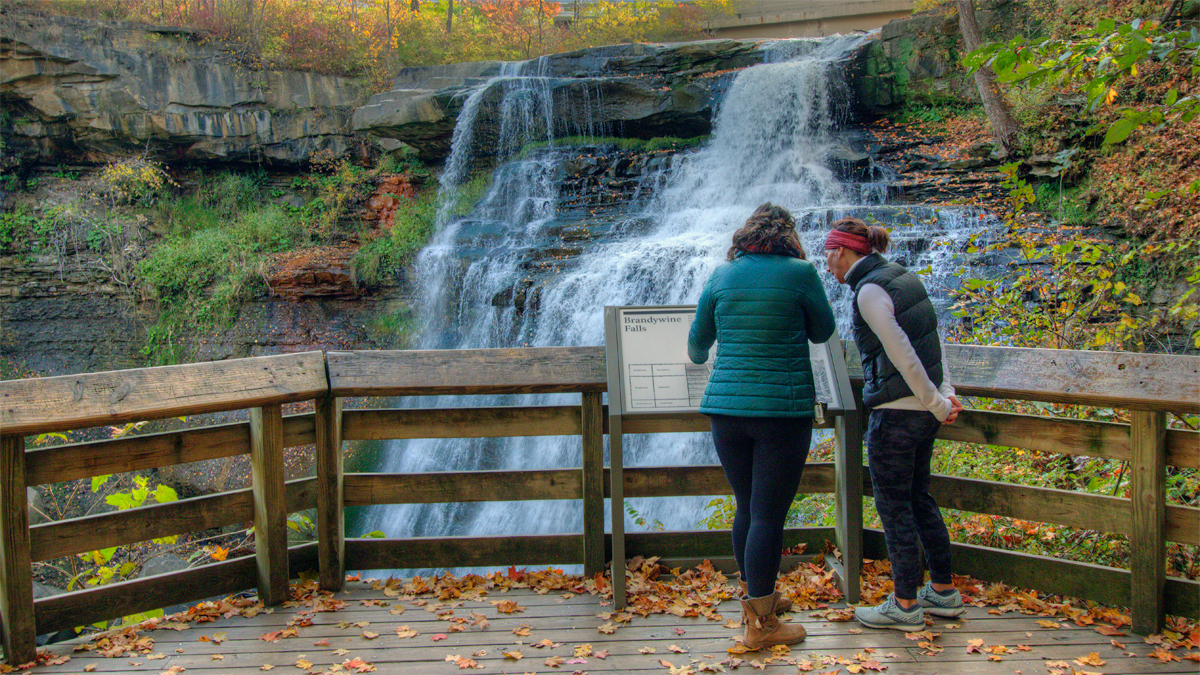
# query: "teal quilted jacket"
[[762, 310]]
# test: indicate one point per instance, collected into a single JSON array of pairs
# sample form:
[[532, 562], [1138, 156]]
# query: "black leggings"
[[763, 458]]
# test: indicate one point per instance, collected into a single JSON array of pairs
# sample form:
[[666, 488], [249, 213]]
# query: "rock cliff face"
[[917, 58], [640, 90], [78, 89]]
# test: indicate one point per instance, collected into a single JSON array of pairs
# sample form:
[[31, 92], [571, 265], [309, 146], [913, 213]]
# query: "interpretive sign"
[[656, 375]]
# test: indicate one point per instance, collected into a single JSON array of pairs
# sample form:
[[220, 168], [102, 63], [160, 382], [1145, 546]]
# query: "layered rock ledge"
[[86, 89]]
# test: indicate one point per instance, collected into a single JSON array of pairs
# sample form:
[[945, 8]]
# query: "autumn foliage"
[[373, 38]]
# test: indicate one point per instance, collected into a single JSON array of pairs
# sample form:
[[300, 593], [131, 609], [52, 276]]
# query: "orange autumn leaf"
[[1092, 659], [1163, 655]]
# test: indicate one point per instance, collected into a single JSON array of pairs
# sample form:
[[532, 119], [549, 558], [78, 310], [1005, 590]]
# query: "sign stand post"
[[649, 372], [616, 479]]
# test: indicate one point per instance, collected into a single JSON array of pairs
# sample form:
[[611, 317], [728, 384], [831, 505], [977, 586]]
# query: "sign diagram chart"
[[656, 374]]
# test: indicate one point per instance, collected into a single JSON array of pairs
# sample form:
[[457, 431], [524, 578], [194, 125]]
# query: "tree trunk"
[[449, 16], [1172, 11], [414, 6], [1004, 126]]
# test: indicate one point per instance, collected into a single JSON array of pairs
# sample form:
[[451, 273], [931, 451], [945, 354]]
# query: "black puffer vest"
[[882, 383]]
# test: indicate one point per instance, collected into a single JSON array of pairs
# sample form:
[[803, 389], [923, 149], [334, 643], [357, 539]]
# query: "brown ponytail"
[[876, 236]]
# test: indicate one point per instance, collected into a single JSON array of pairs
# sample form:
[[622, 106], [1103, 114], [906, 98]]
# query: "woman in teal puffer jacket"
[[762, 307]]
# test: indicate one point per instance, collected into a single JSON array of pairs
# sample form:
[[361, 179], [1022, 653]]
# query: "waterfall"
[[773, 135]]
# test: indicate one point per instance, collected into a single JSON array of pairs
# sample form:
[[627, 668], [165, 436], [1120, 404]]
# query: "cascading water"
[[773, 137]]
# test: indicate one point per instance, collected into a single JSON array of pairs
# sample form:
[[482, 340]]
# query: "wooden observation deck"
[[1149, 386]]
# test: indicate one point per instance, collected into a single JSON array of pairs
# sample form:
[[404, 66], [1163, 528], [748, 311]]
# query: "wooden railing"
[[1147, 385]]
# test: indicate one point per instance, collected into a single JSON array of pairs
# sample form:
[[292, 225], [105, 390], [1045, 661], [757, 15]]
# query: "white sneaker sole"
[[945, 612], [906, 627]]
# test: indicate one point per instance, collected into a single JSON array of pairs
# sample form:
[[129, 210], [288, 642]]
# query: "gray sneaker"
[[948, 606], [888, 614]]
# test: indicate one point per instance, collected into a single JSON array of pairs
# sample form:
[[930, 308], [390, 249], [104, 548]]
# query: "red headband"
[[839, 239]]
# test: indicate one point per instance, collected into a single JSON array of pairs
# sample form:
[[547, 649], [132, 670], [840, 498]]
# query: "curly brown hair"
[[770, 229]]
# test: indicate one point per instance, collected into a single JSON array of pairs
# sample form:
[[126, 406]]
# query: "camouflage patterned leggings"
[[899, 450]]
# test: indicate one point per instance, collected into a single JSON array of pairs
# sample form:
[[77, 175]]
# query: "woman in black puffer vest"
[[905, 389]]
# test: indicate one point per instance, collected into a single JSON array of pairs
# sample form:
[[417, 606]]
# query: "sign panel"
[[656, 374]]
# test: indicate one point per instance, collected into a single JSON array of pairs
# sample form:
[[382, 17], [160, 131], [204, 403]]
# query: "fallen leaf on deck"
[[515, 655], [1109, 631], [303, 664], [358, 666], [583, 650], [647, 650], [1092, 659], [1160, 654], [672, 669], [438, 637], [266, 666]]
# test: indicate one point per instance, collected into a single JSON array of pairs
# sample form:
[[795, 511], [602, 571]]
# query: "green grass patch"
[[208, 266], [655, 144], [1066, 205]]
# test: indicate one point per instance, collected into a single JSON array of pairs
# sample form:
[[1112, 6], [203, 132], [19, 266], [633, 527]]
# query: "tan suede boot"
[[764, 629], [782, 602]]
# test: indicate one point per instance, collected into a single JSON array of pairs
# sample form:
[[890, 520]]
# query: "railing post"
[[593, 483], [848, 499], [16, 572], [331, 534], [270, 506], [1147, 541]]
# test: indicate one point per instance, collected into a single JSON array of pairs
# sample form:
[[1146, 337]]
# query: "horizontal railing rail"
[[1147, 385]]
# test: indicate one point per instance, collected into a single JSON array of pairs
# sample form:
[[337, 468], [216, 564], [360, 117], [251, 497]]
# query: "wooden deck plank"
[[1117, 379], [467, 371], [78, 401], [135, 453], [573, 622]]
